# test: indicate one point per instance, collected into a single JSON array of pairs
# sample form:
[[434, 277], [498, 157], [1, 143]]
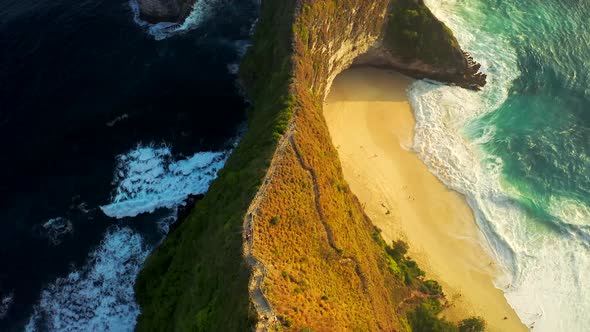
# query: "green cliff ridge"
[[197, 280]]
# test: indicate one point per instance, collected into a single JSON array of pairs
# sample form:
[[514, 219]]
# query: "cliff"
[[312, 259], [417, 44]]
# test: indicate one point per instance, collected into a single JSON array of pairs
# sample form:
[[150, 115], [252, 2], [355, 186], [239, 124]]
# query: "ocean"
[[520, 150], [107, 125]]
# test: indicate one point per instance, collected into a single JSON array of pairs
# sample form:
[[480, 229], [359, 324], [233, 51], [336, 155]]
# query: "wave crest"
[[148, 178], [99, 297], [545, 279]]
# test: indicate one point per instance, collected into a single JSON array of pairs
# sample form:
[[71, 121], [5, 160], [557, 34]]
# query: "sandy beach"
[[371, 124]]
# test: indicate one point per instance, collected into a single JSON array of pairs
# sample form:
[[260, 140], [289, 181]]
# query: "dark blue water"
[[81, 83]]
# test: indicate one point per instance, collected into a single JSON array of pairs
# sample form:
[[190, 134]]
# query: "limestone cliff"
[[317, 261], [415, 42]]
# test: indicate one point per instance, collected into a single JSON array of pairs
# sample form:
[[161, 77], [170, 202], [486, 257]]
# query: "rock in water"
[[155, 11]]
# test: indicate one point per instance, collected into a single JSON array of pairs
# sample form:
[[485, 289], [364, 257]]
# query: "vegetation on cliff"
[[196, 279], [414, 33], [328, 268]]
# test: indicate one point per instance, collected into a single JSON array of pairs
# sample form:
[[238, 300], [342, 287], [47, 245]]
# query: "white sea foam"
[[241, 47], [546, 279], [5, 303], [99, 296], [570, 210], [83, 207], [55, 229], [117, 119], [148, 178], [162, 30]]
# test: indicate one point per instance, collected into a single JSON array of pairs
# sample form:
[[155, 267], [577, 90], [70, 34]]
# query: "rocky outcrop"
[[413, 41], [402, 35], [155, 11], [466, 75]]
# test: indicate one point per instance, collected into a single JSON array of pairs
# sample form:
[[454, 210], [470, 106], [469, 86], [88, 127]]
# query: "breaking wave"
[[162, 30], [98, 297], [148, 178], [545, 281]]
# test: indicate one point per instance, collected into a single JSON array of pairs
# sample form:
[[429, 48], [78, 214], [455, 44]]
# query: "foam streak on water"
[[162, 30], [55, 229], [148, 178], [5, 303], [98, 297], [545, 281]]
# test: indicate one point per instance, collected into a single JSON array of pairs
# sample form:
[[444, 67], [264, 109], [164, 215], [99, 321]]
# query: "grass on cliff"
[[196, 279], [413, 32], [354, 282], [325, 273]]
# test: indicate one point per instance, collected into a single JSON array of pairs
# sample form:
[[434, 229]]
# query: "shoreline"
[[371, 124]]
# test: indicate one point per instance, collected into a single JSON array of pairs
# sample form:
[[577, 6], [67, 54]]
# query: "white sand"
[[371, 124]]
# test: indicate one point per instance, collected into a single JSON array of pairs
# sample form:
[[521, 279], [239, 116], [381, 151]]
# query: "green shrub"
[[411, 272], [285, 321], [472, 324], [423, 319], [274, 220], [398, 250], [432, 287], [394, 267], [414, 33]]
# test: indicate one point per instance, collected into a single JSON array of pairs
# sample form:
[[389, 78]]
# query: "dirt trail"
[[267, 319], [328, 230]]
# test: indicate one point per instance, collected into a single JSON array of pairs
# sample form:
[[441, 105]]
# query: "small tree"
[[432, 287], [472, 324], [398, 250]]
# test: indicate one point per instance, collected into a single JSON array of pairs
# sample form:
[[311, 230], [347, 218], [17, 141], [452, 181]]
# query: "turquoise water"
[[543, 129], [520, 149]]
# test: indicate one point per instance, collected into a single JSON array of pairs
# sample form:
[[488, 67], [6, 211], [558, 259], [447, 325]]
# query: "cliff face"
[[402, 35], [155, 11], [322, 265], [415, 42]]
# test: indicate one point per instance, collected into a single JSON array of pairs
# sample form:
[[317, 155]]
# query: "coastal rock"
[[464, 74], [155, 11], [414, 42]]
